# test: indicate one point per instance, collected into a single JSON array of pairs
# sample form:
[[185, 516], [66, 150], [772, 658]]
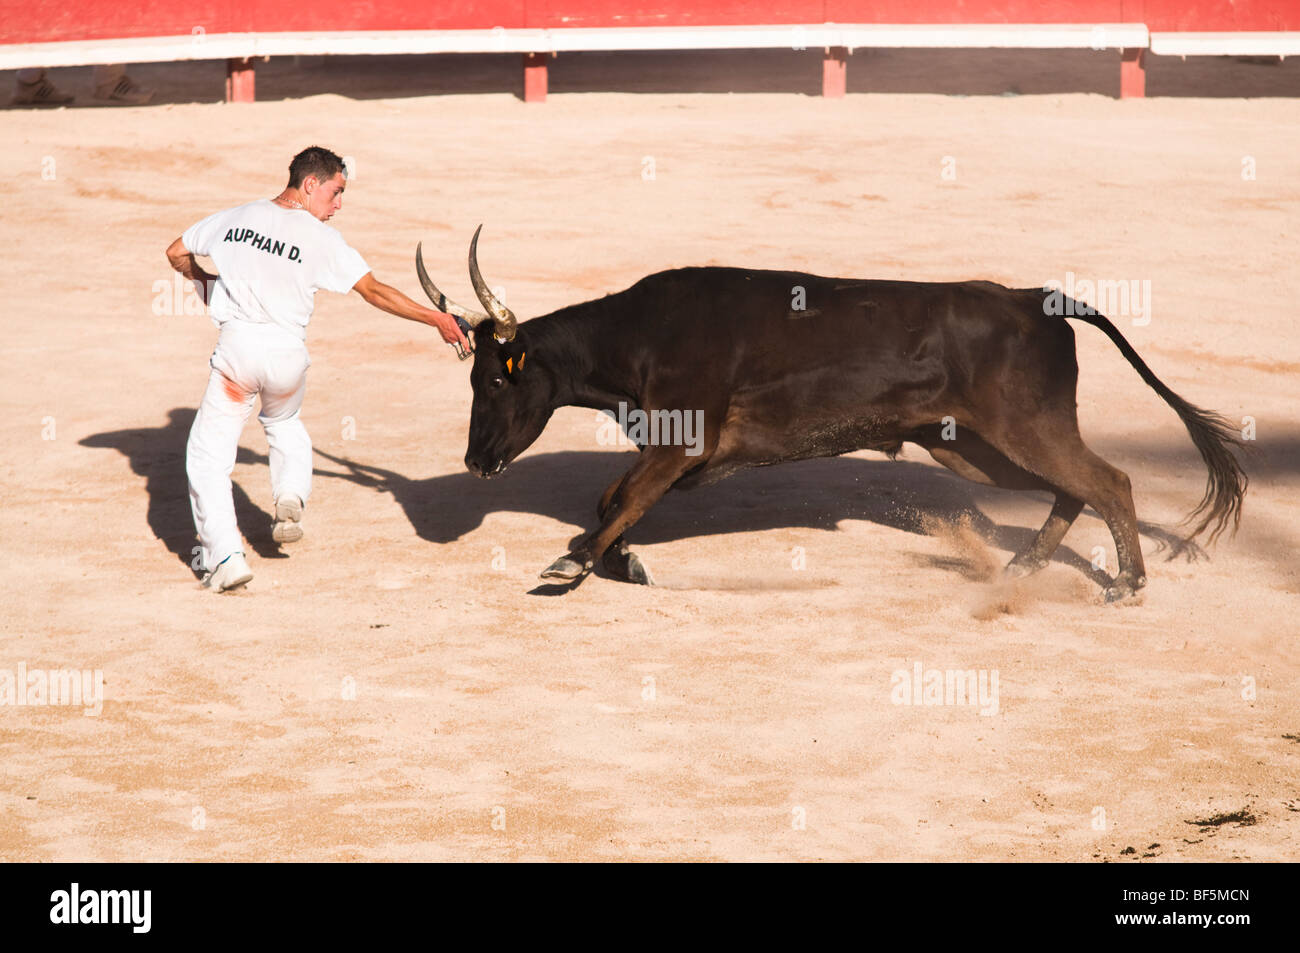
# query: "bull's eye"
[[497, 383]]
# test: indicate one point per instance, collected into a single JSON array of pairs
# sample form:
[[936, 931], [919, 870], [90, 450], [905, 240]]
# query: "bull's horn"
[[440, 300], [503, 320]]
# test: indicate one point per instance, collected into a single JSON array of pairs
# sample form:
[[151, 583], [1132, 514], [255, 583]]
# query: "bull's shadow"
[[565, 486], [158, 455], [815, 494]]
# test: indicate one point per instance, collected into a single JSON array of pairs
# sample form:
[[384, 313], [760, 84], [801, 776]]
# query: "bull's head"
[[512, 392]]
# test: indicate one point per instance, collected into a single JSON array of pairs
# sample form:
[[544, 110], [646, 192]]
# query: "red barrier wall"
[[1212, 16], [44, 20]]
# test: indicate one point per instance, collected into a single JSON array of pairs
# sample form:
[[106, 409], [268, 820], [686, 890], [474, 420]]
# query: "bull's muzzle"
[[484, 470]]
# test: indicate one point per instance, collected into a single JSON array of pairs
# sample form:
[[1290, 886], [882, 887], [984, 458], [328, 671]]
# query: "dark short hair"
[[317, 161]]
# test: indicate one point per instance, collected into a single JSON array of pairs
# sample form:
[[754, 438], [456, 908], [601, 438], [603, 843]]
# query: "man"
[[273, 255]]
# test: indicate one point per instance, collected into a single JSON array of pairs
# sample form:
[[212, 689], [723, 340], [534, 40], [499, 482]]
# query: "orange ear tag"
[[521, 359], [510, 365]]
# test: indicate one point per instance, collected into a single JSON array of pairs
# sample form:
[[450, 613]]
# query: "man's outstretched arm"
[[387, 298]]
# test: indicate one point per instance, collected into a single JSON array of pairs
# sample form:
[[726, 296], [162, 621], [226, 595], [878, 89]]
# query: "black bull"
[[981, 376]]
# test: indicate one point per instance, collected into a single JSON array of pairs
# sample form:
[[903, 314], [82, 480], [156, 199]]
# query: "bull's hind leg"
[[970, 456], [1035, 556], [1049, 446]]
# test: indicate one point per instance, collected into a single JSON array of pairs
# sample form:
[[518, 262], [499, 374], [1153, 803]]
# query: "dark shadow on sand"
[[814, 494], [158, 455]]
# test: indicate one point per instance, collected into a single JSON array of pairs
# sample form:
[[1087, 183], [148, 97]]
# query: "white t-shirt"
[[271, 262]]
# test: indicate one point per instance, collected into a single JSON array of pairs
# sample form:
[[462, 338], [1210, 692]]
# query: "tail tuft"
[[1225, 488]]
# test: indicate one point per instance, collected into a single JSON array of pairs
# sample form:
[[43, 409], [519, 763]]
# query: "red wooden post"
[[1132, 73], [835, 72], [535, 77], [239, 81]]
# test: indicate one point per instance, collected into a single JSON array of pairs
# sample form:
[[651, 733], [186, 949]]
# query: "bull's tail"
[[1213, 434]]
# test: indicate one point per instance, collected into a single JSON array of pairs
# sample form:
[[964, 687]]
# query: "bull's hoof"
[[627, 566], [1020, 567], [1124, 590], [568, 568], [1118, 594]]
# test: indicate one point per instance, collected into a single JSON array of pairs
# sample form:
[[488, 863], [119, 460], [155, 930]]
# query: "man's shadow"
[[158, 455], [817, 494]]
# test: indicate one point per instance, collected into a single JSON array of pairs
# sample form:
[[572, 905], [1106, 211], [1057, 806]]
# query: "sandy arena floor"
[[742, 709]]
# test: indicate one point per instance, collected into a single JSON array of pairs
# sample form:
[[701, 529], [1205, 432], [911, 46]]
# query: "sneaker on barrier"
[[231, 573], [288, 520], [124, 92], [40, 93]]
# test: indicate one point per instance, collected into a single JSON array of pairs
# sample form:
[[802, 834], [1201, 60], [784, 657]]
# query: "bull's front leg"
[[619, 561], [625, 502]]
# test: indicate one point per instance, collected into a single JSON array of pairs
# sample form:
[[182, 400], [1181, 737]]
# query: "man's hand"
[[387, 298], [449, 329]]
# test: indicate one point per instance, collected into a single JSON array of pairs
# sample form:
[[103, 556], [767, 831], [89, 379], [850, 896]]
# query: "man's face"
[[324, 198]]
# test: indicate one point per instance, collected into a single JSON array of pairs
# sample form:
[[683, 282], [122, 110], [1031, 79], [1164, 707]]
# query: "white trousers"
[[250, 359]]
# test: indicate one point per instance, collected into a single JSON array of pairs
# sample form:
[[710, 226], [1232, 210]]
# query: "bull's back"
[[776, 322]]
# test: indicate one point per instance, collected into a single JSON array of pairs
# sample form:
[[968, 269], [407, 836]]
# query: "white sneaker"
[[288, 520], [232, 573], [124, 92], [40, 93]]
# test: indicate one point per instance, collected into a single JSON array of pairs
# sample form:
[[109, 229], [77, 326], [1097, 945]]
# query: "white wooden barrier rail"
[[1281, 43], [204, 46]]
